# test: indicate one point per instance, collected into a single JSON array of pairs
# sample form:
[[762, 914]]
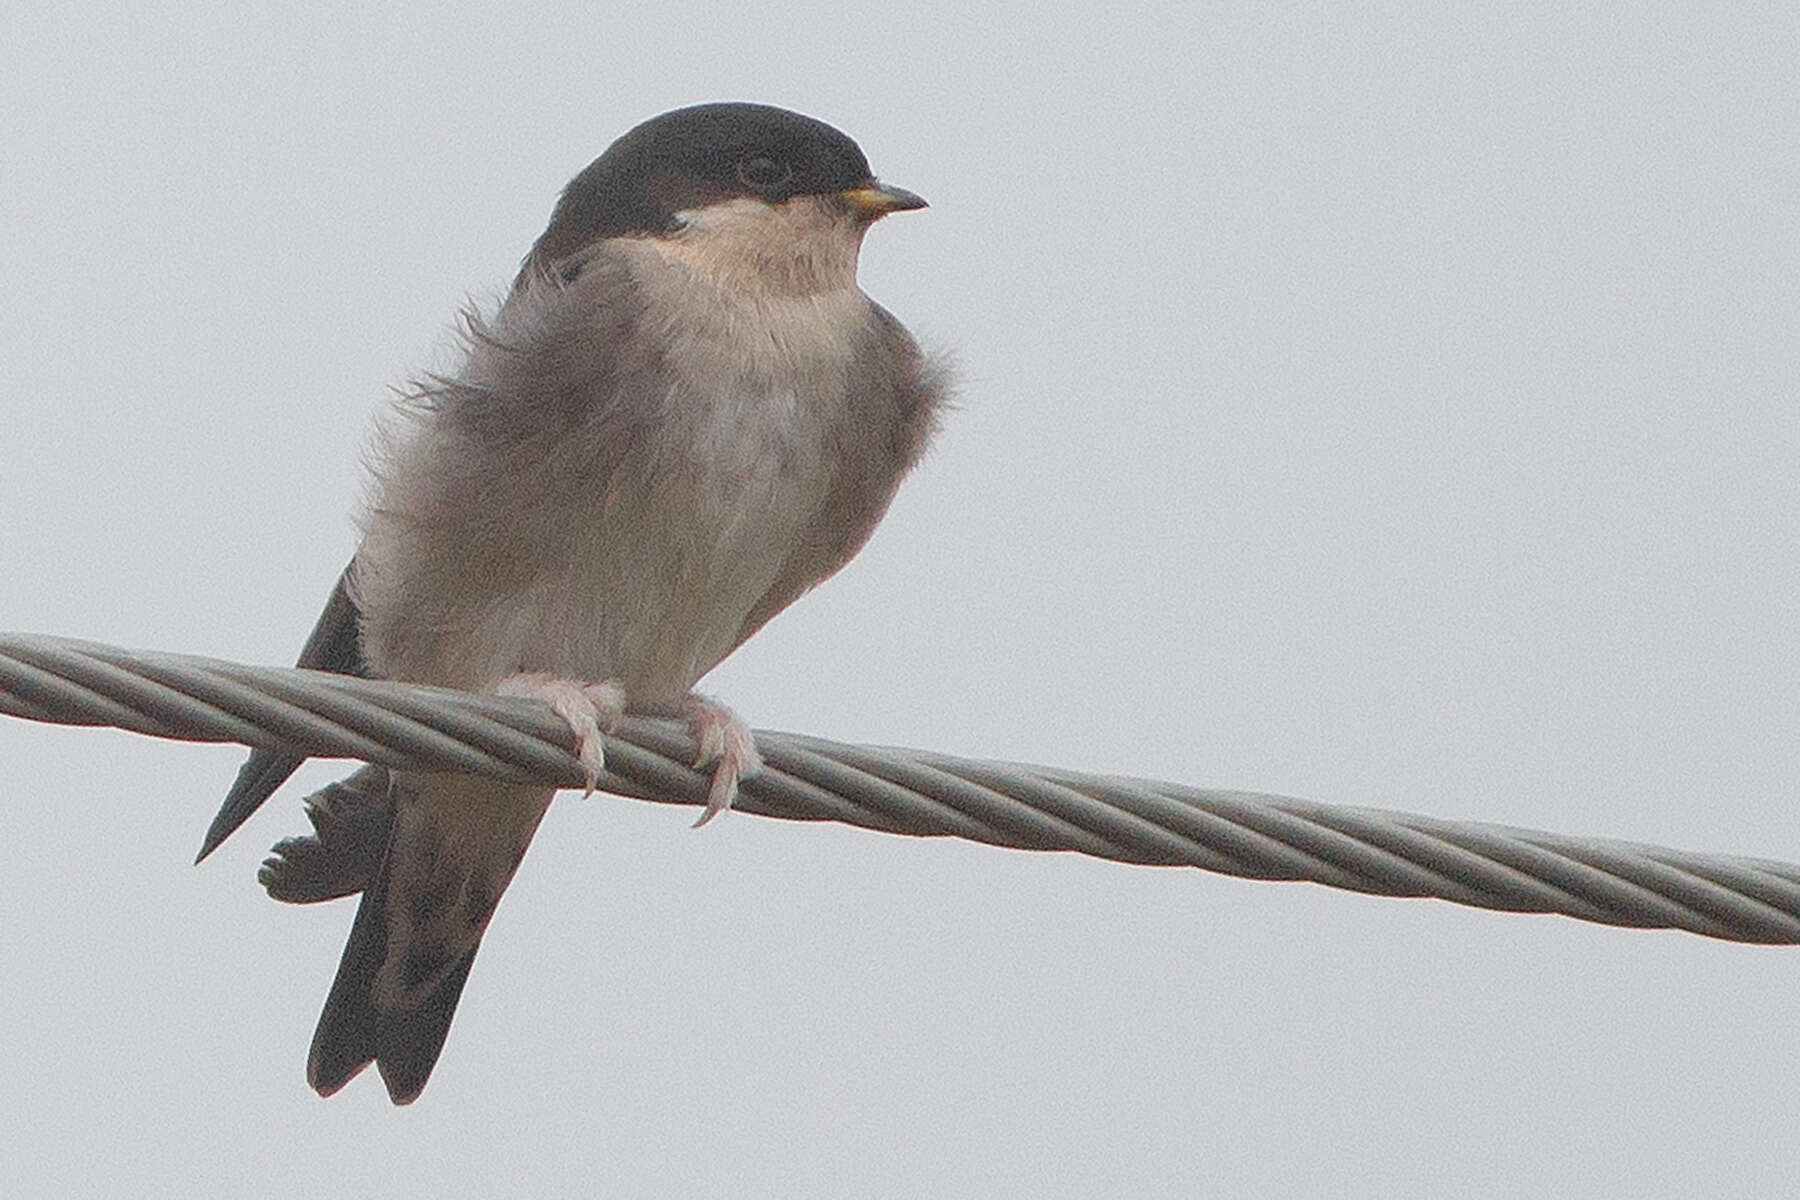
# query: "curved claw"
[[725, 742], [587, 707]]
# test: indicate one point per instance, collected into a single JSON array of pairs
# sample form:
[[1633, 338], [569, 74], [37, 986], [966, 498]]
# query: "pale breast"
[[613, 482], [734, 471]]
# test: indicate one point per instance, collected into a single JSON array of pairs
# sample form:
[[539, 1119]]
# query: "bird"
[[683, 415]]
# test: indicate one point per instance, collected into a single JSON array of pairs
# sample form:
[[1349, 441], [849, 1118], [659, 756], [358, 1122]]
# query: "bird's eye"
[[762, 172]]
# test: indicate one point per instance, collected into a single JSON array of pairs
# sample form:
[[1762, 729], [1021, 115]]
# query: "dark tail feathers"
[[353, 1031]]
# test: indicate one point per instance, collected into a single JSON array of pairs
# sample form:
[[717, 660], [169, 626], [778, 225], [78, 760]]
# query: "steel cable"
[[1246, 834]]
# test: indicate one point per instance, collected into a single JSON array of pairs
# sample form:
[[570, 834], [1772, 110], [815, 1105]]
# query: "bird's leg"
[[587, 707], [724, 741]]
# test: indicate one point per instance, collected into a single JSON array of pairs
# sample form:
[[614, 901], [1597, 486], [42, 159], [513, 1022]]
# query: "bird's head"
[[725, 180]]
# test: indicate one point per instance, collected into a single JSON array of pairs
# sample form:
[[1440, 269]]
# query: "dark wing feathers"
[[333, 646]]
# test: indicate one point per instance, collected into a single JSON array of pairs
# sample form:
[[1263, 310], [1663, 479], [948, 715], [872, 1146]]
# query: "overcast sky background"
[[1396, 407]]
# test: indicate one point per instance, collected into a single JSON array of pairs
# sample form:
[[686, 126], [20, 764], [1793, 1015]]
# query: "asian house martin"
[[684, 414]]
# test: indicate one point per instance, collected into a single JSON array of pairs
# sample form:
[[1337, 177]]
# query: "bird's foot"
[[587, 707], [726, 743]]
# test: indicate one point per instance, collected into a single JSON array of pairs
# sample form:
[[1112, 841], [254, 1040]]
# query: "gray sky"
[[1391, 408]]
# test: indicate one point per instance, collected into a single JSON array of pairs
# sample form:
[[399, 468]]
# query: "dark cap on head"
[[696, 156]]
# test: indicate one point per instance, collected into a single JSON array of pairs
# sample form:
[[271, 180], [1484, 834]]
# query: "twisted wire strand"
[[1247, 834]]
